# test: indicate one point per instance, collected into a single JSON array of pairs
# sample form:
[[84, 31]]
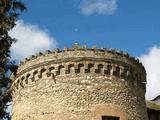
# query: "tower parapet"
[[78, 83]]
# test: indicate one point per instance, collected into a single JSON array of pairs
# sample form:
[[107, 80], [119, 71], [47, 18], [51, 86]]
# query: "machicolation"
[[80, 83]]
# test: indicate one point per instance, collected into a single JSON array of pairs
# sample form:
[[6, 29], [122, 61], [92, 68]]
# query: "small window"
[[110, 118]]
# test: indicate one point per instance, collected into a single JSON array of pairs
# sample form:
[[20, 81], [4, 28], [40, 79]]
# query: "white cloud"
[[101, 7], [31, 39], [151, 61]]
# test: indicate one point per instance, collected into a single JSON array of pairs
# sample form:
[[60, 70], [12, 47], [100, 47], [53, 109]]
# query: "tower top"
[[89, 52]]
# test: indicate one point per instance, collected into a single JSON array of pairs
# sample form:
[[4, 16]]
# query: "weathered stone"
[[80, 84]]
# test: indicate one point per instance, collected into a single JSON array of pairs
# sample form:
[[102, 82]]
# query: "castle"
[[80, 83]]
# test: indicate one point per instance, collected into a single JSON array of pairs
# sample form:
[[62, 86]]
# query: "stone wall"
[[79, 83]]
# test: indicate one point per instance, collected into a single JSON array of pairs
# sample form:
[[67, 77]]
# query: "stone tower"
[[80, 83]]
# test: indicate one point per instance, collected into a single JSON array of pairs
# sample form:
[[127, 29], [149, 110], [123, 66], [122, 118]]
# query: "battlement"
[[79, 83], [79, 61], [78, 51]]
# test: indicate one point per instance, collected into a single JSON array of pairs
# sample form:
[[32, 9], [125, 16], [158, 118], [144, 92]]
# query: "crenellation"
[[26, 59], [33, 57], [62, 55], [55, 51], [73, 81], [39, 54], [47, 52]]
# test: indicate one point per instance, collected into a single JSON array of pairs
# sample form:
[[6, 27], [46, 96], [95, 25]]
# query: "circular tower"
[[80, 83]]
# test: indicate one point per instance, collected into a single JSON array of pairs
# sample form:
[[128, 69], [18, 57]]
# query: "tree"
[[9, 12]]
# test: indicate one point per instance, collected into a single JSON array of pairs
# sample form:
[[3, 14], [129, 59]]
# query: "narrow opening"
[[100, 69], [117, 72], [80, 68], [90, 68], [110, 118], [26, 80], [108, 71]]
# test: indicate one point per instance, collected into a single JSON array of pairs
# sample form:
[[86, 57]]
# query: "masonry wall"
[[77, 84]]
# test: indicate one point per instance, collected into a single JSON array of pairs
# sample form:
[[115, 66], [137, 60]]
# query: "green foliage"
[[9, 12]]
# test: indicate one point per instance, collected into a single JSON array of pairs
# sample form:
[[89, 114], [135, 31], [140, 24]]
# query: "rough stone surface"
[[79, 84]]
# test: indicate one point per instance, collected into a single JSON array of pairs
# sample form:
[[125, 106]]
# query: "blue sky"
[[129, 25], [134, 26]]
